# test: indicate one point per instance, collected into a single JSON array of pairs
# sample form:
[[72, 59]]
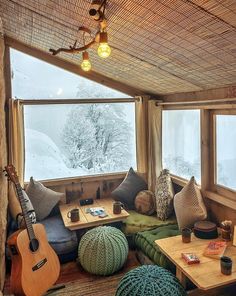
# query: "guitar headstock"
[[11, 173]]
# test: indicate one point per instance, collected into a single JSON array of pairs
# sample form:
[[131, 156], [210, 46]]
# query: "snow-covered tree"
[[97, 137]]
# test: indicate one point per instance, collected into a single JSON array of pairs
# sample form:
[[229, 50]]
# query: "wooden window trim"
[[217, 193], [220, 190], [87, 178], [81, 179]]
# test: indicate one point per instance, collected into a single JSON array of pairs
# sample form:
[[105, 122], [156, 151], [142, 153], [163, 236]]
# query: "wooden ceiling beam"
[[222, 93], [71, 67]]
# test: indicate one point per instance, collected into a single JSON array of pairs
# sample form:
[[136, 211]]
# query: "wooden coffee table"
[[86, 219], [205, 275]]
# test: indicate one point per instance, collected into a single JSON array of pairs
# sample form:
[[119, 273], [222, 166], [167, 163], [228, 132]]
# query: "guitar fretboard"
[[27, 219]]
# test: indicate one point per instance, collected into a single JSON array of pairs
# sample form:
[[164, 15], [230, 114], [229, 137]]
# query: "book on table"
[[190, 258], [215, 249]]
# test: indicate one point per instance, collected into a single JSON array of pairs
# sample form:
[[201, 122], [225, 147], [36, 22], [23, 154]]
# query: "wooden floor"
[[72, 273], [80, 283]]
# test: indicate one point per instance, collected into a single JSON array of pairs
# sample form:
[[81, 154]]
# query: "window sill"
[[83, 179], [178, 180], [223, 200]]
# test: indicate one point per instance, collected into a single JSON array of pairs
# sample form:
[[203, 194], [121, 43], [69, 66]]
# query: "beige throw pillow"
[[189, 205], [164, 193], [43, 199]]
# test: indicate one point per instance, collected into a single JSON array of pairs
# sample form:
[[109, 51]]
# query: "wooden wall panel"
[[219, 213], [82, 189], [3, 162]]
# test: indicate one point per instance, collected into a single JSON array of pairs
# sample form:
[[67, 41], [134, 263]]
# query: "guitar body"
[[33, 272]]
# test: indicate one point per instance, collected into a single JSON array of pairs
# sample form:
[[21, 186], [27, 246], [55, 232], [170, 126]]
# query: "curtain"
[[141, 135], [154, 143], [16, 151]]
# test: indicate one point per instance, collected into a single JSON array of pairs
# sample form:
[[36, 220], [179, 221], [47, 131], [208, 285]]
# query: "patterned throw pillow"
[[43, 199], [145, 202], [189, 205], [164, 193]]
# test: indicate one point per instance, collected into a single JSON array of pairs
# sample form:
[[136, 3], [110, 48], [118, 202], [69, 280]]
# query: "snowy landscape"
[[68, 140], [76, 140]]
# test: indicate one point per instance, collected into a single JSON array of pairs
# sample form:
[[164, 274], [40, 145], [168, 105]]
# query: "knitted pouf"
[[150, 280], [103, 250]]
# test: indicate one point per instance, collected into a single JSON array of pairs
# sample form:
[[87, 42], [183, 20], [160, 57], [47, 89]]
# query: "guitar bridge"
[[39, 264]]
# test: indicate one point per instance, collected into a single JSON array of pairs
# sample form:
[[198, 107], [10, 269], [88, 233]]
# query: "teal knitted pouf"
[[103, 250], [150, 280]]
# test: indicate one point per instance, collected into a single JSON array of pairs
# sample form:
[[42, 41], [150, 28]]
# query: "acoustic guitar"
[[35, 265]]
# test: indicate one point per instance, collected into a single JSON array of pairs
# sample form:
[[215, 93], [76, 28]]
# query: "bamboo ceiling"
[[159, 47]]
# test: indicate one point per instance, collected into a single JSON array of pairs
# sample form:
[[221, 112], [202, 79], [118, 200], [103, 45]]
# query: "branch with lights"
[[97, 11]]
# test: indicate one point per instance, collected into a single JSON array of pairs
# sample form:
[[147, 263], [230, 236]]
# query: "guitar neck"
[[27, 219]]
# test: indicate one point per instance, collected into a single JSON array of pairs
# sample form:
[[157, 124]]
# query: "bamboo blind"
[[159, 47]]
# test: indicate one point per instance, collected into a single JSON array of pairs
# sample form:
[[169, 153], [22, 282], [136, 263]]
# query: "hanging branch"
[[74, 49]]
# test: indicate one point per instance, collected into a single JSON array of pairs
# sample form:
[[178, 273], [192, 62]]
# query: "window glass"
[[181, 143], [35, 79], [225, 150], [76, 140]]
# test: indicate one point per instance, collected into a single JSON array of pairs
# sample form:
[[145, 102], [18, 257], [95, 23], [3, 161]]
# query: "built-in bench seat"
[[138, 222]]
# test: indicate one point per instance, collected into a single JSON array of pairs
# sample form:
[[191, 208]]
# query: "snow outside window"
[[225, 150], [68, 140], [181, 143]]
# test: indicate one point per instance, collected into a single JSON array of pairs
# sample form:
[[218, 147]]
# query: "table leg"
[[181, 276]]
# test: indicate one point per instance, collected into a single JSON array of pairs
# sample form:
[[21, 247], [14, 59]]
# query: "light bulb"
[[104, 49], [86, 65]]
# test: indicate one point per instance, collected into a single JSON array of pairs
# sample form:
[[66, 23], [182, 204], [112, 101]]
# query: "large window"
[[225, 150], [71, 139], [78, 140], [181, 143]]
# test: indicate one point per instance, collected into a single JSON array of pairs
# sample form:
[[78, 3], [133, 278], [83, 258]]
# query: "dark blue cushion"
[[62, 240]]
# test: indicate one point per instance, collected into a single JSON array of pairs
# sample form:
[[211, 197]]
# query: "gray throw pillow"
[[42, 198], [30, 211], [129, 188]]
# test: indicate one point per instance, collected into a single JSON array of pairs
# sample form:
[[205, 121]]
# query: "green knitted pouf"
[[150, 280], [103, 250]]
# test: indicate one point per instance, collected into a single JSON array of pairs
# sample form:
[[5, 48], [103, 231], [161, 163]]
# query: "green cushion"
[[145, 241], [138, 222], [103, 250], [150, 280]]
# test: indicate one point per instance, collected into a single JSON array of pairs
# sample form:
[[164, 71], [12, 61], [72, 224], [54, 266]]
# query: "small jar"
[[226, 234]]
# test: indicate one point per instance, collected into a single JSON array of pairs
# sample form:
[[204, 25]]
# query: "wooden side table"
[[205, 275]]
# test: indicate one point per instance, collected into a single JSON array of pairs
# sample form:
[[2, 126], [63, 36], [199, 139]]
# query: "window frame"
[[215, 192], [92, 177], [214, 187], [179, 180]]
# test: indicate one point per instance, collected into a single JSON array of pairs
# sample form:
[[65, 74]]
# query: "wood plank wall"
[[86, 187], [3, 162]]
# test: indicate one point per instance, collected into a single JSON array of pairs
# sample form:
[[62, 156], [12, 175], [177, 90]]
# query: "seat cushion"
[[137, 222], [145, 241], [62, 240]]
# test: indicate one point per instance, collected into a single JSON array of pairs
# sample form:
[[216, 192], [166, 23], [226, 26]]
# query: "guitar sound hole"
[[34, 245]]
